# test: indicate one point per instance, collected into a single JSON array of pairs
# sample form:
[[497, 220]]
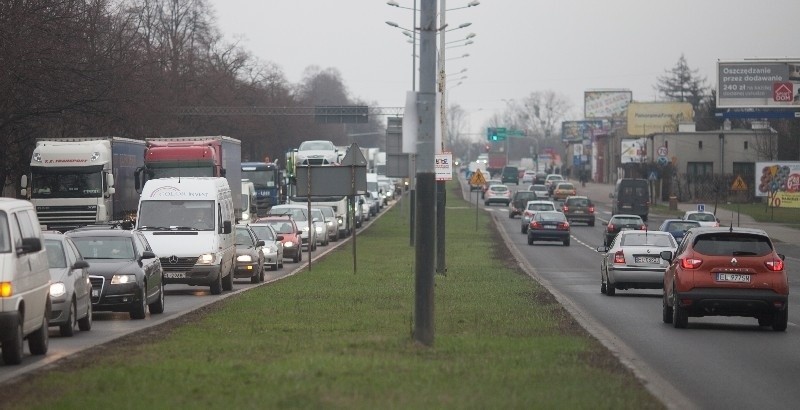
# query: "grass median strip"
[[329, 338]]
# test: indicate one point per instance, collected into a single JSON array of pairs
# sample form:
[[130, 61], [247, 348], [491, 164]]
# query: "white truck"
[[82, 181]]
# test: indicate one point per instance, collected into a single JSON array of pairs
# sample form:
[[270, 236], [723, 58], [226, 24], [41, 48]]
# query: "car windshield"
[[298, 214], [55, 253], [179, 214], [105, 247], [736, 244], [702, 217], [316, 146], [538, 188], [647, 239], [681, 225], [282, 226], [499, 188], [263, 232]]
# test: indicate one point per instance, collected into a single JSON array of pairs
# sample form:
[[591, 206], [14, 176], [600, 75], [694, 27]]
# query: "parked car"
[[726, 272], [540, 190], [633, 261], [273, 246], [497, 194], [702, 217], [579, 209], [126, 275], [549, 226], [550, 182], [286, 227], [518, 202], [619, 223], [528, 176], [249, 255], [24, 282], [299, 214], [321, 229], [678, 227], [531, 208], [563, 190], [70, 287]]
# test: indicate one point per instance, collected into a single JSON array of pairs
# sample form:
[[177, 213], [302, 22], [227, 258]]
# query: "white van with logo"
[[189, 224], [24, 281]]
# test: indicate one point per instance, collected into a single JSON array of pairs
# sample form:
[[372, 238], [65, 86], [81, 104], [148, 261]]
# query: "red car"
[[285, 226], [726, 272]]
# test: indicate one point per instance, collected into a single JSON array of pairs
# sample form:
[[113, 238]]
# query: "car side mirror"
[[226, 227], [260, 242], [666, 255], [30, 245], [602, 249], [148, 255], [279, 238], [81, 264]]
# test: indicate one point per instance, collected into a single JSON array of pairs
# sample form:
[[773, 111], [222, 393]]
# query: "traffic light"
[[495, 134]]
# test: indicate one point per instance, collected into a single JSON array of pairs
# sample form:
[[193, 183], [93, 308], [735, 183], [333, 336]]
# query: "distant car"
[[550, 182], [531, 208], [549, 226], [70, 287], [273, 247], [579, 209], [528, 176], [249, 255], [540, 178], [126, 275], [489, 183], [540, 190], [321, 229], [317, 152], [302, 219], [286, 227], [510, 174], [497, 194], [726, 272], [621, 222], [678, 227], [518, 202], [633, 261], [333, 223], [563, 190], [703, 217]]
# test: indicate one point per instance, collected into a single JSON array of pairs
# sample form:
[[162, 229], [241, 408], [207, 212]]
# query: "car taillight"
[[774, 265], [591, 209], [564, 226], [643, 227], [619, 257], [610, 228], [565, 209], [535, 224], [691, 263]]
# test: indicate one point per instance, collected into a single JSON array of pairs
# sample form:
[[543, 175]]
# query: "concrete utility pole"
[[426, 179], [441, 263]]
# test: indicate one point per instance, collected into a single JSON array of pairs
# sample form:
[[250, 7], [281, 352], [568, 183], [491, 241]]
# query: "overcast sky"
[[520, 46]]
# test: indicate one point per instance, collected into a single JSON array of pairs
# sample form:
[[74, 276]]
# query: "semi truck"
[[202, 156], [497, 160], [266, 176], [75, 182]]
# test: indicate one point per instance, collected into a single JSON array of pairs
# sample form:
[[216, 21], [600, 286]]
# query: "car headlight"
[[329, 223], [57, 289], [206, 258], [244, 258], [122, 279], [318, 229], [245, 215], [305, 229], [288, 244], [341, 221]]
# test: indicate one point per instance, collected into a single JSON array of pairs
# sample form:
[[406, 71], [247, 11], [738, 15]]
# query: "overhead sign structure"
[[758, 84], [495, 134], [444, 166]]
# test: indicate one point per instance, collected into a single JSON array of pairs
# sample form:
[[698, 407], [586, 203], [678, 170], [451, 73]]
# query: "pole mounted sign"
[[758, 84]]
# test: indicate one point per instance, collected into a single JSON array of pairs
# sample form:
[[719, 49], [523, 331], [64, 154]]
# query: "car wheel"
[[227, 281], [566, 242], [158, 305], [139, 311], [485, 203], [766, 320], [611, 290], [530, 240], [68, 329], [781, 320], [510, 215], [12, 347], [602, 282], [38, 340], [666, 310], [85, 323], [680, 318], [216, 286], [591, 223], [254, 278], [524, 229]]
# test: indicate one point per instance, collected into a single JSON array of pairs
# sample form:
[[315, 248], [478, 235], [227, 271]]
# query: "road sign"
[[739, 184], [477, 178], [701, 207], [662, 151], [652, 176], [662, 160], [444, 166]]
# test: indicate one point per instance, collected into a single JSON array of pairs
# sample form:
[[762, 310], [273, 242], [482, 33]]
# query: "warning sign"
[[477, 178], [738, 184]]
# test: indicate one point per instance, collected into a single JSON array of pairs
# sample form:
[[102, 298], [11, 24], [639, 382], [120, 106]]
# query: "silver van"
[[24, 281]]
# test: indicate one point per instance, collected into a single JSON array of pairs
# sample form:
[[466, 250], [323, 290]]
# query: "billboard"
[[779, 181], [651, 117], [606, 103], [758, 84], [633, 150], [577, 131]]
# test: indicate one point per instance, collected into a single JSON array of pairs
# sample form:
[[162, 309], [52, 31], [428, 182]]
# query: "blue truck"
[[266, 176]]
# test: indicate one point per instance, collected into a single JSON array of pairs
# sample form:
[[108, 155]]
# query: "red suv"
[[726, 272]]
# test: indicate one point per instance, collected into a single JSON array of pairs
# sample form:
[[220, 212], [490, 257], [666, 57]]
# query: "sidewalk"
[[599, 193]]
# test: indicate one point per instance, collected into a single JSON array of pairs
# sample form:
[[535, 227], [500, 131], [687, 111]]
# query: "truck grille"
[[97, 284], [176, 264], [66, 217]]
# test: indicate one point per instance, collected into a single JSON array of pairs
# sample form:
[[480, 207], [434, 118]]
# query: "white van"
[[249, 208], [189, 224], [24, 281]]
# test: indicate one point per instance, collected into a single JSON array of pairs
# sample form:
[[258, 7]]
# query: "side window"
[[145, 244], [138, 245], [26, 225], [72, 251], [16, 233], [686, 240]]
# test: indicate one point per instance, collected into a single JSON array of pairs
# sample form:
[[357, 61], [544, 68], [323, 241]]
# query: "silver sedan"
[[273, 249], [633, 261]]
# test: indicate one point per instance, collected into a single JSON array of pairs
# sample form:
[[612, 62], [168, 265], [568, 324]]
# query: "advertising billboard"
[[606, 103], [633, 150], [651, 117], [780, 182], [577, 131], [758, 84]]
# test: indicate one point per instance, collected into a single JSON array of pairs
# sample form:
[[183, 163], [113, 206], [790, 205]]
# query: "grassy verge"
[[329, 338], [763, 213]]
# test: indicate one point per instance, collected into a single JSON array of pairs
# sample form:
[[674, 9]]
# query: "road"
[[718, 362]]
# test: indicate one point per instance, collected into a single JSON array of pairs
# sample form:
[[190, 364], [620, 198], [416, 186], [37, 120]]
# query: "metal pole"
[[426, 179], [411, 162], [441, 265]]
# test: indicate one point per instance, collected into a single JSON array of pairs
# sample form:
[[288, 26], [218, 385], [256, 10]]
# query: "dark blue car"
[[678, 227]]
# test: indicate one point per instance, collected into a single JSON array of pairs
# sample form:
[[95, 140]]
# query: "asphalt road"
[[718, 362]]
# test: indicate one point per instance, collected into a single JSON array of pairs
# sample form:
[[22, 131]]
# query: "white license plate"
[[578, 212], [174, 275], [95, 293], [733, 277], [549, 227], [647, 259]]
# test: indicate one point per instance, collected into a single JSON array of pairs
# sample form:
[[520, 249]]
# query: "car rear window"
[[565, 186], [541, 207], [626, 221], [702, 217], [578, 202], [645, 239], [732, 244], [499, 188], [550, 216], [682, 226]]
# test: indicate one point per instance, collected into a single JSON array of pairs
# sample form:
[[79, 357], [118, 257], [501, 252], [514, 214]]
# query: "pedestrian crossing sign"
[[477, 178], [739, 184]]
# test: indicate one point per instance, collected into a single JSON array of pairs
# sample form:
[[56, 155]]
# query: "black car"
[[126, 275], [518, 202], [620, 223], [549, 226]]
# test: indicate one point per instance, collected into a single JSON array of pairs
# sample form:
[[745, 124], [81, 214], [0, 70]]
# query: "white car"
[[528, 176], [531, 208], [633, 261], [320, 226], [317, 152], [703, 217]]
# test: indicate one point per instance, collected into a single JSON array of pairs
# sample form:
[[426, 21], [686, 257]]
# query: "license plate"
[[549, 227], [174, 275], [578, 212], [733, 277], [646, 259], [95, 293]]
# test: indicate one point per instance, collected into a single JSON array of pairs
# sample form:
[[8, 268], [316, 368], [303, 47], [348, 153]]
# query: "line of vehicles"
[[108, 223]]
